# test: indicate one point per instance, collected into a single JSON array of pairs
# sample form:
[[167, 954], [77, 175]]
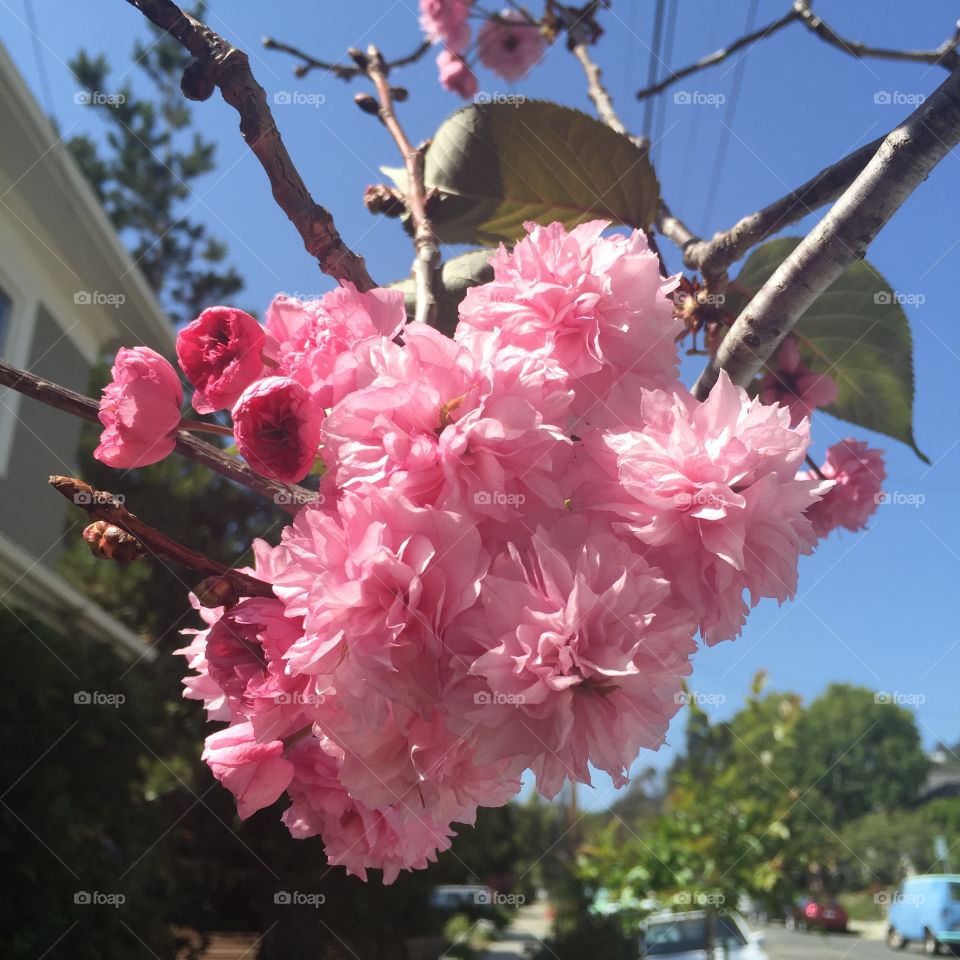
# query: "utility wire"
[[672, 7], [728, 115], [653, 71], [39, 57]]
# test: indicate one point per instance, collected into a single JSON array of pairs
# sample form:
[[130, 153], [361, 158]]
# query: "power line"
[[38, 56], [653, 71], [673, 6], [728, 115]]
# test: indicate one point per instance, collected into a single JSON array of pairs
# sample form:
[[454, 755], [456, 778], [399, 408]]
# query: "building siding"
[[44, 442]]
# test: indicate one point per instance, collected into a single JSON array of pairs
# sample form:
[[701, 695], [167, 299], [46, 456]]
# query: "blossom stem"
[[813, 466], [100, 505], [200, 426], [287, 496], [425, 241]]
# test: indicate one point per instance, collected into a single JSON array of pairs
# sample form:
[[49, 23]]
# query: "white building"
[[69, 294]]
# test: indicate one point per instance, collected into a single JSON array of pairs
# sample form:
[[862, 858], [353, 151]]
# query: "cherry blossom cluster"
[[509, 43], [516, 539]]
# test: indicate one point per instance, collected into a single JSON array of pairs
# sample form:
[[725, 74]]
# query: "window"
[[6, 308]]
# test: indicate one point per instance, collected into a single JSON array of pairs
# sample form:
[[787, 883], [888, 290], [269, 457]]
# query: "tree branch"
[[288, 497], [425, 241], [718, 56], [902, 163], [712, 257], [218, 64], [342, 71], [945, 55], [100, 505]]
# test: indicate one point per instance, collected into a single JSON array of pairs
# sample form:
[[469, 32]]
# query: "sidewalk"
[[529, 928]]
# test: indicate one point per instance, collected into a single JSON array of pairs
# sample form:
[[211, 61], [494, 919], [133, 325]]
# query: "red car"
[[827, 915]]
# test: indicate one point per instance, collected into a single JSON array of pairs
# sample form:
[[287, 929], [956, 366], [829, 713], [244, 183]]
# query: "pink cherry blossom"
[[713, 488], [580, 653], [255, 773], [456, 75], [510, 45], [311, 340], [220, 353], [377, 581], [445, 21], [857, 473], [794, 385], [595, 306], [139, 410], [277, 425], [444, 426]]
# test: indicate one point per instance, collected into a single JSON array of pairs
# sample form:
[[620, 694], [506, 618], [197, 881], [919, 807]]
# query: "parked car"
[[809, 914], [683, 936], [925, 909], [453, 897]]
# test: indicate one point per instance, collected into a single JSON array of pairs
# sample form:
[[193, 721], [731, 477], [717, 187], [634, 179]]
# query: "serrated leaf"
[[499, 164], [457, 276], [855, 331]]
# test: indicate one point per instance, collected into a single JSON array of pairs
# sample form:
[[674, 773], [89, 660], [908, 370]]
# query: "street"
[[784, 944]]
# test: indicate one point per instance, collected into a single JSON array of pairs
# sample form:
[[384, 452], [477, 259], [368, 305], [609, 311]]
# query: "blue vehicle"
[[926, 909]]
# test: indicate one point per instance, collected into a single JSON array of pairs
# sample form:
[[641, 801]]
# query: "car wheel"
[[931, 945], [895, 940]]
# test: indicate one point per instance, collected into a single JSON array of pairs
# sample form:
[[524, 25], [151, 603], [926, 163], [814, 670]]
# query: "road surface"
[[791, 945], [531, 925]]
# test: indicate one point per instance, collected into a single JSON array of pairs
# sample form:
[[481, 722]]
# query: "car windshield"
[[955, 891], [687, 934]]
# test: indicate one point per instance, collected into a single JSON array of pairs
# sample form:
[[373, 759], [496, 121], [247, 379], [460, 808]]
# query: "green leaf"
[[857, 332], [457, 275], [499, 164]]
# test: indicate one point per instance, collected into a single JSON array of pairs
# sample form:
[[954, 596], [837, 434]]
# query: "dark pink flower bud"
[[220, 352], [277, 423], [139, 410]]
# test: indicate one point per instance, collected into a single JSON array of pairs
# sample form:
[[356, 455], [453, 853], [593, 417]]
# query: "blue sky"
[[878, 608]]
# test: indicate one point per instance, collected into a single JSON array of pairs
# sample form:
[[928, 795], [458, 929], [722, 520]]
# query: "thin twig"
[[219, 64], [945, 55], [342, 71], [427, 260], [600, 96], [902, 163], [101, 505], [287, 497], [718, 56]]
